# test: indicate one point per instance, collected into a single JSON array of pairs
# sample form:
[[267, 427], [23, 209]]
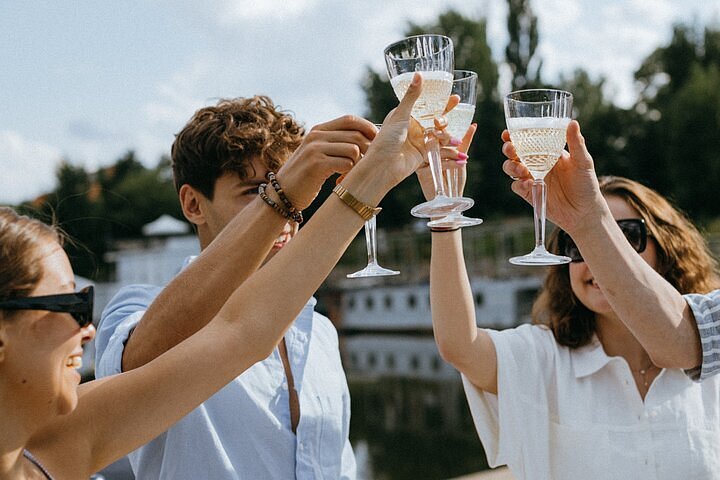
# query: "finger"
[[508, 149], [403, 110], [349, 122], [468, 138], [576, 145], [452, 154], [453, 102], [505, 136], [343, 136], [515, 170], [523, 188]]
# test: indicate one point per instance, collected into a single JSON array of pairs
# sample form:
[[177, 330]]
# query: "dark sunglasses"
[[634, 230], [78, 304]]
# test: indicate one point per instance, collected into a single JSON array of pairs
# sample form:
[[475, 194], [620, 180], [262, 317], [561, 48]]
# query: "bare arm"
[[125, 411], [192, 298], [459, 340], [650, 307]]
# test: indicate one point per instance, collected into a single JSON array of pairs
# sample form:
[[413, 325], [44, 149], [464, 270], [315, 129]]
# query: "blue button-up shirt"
[[244, 431]]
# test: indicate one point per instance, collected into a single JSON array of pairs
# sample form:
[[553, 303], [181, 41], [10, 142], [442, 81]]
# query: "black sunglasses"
[[78, 304], [634, 230]]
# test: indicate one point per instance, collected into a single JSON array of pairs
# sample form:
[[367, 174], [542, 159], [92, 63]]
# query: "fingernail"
[[455, 141], [416, 78], [462, 156], [461, 162]]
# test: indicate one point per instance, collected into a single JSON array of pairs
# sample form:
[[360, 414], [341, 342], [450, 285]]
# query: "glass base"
[[455, 220], [441, 206], [539, 257], [373, 270]]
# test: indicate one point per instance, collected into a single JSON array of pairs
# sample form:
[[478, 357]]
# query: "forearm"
[[451, 299], [652, 309], [195, 295]]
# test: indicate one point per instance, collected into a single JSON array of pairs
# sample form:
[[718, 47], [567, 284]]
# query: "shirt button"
[[300, 446]]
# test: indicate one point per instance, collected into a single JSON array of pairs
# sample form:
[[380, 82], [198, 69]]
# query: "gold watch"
[[362, 209]]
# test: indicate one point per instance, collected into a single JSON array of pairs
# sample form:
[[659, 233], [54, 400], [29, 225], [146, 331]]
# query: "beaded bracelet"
[[294, 212], [272, 203]]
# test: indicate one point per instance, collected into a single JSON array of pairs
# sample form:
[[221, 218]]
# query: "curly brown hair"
[[21, 246], [684, 260], [228, 136]]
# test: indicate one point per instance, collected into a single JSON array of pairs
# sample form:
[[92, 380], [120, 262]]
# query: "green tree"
[[520, 51]]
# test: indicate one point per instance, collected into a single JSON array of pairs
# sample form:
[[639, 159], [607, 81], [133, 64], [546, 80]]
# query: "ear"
[[191, 202]]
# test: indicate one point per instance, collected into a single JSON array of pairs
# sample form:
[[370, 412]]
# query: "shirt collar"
[[589, 358]]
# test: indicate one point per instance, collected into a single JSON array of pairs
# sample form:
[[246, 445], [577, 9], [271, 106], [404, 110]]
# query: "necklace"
[[644, 371]]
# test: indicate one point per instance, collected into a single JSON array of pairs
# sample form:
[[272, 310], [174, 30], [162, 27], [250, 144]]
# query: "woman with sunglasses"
[[576, 395], [51, 428]]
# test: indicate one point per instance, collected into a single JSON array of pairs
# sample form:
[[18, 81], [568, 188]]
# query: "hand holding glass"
[[459, 120], [373, 268], [433, 57], [537, 121]]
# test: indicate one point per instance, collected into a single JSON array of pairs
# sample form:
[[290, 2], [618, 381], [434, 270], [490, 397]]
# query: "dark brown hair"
[[684, 260], [227, 137], [21, 248]]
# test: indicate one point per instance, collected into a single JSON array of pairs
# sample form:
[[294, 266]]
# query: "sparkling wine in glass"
[[459, 120], [373, 268], [432, 56], [537, 121]]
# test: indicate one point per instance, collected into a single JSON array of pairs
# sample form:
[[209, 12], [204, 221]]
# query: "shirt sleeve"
[[706, 309], [348, 469], [117, 322], [520, 408]]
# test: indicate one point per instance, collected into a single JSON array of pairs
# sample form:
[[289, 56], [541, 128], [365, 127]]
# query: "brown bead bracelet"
[[294, 212], [274, 205]]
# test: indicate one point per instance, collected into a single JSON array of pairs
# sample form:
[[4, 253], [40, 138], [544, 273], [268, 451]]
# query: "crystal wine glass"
[[537, 121], [459, 120], [373, 268], [433, 57]]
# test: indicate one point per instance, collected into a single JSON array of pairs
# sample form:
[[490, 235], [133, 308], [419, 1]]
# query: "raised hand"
[[330, 147], [573, 193]]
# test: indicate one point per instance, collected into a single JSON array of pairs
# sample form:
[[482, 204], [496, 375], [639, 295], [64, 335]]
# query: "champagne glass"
[[433, 57], [537, 121], [373, 269], [459, 120]]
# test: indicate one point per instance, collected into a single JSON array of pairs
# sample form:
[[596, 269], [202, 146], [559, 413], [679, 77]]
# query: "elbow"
[[449, 353]]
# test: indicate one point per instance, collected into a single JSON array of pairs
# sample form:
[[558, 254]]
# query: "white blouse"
[[577, 414]]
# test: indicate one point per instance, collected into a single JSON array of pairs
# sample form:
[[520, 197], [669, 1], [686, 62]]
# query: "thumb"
[[402, 112], [576, 146]]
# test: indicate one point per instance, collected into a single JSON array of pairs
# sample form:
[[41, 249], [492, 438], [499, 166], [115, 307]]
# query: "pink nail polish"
[[461, 162], [462, 156]]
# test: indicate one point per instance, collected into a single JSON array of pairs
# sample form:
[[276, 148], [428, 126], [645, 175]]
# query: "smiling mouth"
[[74, 362]]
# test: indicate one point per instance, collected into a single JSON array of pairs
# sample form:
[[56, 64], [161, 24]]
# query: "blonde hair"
[[21, 242], [683, 256]]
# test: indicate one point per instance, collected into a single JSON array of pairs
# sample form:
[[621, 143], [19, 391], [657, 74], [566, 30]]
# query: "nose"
[[88, 333]]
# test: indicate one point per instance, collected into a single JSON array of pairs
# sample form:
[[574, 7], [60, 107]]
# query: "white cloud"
[[28, 167]]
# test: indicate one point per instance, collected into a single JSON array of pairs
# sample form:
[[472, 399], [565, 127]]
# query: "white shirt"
[[577, 414]]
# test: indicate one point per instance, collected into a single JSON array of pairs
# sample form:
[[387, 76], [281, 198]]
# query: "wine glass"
[[373, 268], [459, 120], [537, 121], [433, 57]]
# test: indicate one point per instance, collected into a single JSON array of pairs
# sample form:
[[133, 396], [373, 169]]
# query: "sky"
[[86, 81]]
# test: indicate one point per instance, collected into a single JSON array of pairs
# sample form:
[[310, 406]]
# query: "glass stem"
[[371, 241], [452, 179], [433, 148], [538, 199]]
